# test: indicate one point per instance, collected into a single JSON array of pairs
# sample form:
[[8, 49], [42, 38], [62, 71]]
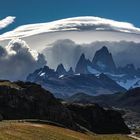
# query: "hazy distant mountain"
[[103, 61], [61, 70], [42, 73], [82, 65], [128, 100], [87, 77], [70, 71], [67, 85]]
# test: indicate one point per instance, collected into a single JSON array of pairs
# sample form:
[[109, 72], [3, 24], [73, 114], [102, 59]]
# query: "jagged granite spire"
[[82, 64], [103, 60], [61, 70], [70, 71]]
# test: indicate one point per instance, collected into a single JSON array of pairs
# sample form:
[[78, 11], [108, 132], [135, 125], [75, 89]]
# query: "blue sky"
[[35, 11]]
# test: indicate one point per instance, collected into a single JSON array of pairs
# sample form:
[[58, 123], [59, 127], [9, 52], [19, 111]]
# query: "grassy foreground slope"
[[34, 131]]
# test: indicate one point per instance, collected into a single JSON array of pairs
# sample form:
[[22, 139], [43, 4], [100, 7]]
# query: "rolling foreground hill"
[[35, 131]]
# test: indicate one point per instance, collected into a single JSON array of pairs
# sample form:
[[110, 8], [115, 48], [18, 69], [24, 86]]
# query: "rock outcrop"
[[98, 120], [61, 70], [82, 64]]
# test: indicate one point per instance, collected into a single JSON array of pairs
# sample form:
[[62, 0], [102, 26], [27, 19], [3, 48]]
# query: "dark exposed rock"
[[103, 61], [81, 66], [61, 70], [98, 120], [70, 71], [21, 100]]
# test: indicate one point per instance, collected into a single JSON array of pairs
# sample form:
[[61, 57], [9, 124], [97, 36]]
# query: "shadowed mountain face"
[[126, 76], [97, 119], [88, 77], [70, 84], [103, 61], [70, 71], [25, 100], [61, 70], [82, 65]]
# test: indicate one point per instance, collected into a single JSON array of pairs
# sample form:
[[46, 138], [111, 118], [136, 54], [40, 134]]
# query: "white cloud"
[[6, 21], [76, 24], [17, 60], [68, 52]]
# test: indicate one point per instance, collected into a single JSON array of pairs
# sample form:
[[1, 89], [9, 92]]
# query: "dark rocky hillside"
[[21, 100], [128, 100], [127, 103], [96, 119], [25, 100]]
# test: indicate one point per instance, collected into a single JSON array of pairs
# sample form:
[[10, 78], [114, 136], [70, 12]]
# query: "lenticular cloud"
[[6, 21], [17, 60], [70, 24]]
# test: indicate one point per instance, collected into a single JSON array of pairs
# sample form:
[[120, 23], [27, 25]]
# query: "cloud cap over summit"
[[70, 24], [17, 60]]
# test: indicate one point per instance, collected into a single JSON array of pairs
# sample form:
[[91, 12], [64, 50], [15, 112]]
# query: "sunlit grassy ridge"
[[34, 131], [9, 84]]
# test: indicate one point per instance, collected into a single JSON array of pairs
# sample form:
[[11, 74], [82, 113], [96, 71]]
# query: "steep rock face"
[[98, 120], [103, 61], [61, 70], [82, 65]]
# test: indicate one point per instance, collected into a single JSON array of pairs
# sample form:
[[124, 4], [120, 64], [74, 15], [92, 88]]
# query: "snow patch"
[[127, 84], [77, 74], [61, 76], [42, 74], [137, 84]]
